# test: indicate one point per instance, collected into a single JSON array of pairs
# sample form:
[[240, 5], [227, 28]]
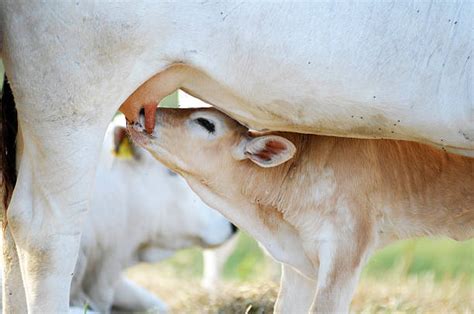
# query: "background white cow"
[[140, 212], [375, 69]]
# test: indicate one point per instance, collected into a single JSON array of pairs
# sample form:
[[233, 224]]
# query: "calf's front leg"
[[296, 292], [341, 262]]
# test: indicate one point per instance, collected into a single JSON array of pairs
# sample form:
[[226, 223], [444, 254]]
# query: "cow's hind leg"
[[13, 293], [50, 200]]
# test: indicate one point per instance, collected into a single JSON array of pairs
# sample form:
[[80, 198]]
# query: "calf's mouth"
[[138, 133]]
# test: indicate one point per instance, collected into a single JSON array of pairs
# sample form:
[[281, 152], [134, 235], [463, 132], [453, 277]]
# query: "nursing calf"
[[320, 205]]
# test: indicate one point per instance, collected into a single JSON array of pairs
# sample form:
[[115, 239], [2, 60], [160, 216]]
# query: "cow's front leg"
[[296, 292], [48, 206]]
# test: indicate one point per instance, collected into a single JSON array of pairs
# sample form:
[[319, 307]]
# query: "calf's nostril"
[[141, 118], [234, 228]]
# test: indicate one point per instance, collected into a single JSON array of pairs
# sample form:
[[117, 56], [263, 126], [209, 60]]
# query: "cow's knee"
[[19, 215]]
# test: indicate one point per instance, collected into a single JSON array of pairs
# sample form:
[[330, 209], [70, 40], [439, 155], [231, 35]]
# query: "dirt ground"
[[393, 295]]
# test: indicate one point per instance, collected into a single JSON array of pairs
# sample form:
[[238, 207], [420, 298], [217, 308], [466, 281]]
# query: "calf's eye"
[[208, 125]]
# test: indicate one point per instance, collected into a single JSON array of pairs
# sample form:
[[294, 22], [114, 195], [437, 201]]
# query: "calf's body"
[[320, 205]]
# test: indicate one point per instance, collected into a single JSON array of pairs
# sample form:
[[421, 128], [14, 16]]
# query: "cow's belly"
[[373, 71], [297, 110], [368, 71]]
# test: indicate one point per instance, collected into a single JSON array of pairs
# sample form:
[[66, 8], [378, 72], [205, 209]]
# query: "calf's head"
[[210, 146]]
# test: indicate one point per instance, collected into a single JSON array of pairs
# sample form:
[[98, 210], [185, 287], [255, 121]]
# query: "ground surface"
[[413, 295], [421, 276]]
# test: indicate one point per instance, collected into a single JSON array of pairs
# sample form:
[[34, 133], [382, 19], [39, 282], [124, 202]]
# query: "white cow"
[[131, 222], [320, 205], [140, 212], [374, 69]]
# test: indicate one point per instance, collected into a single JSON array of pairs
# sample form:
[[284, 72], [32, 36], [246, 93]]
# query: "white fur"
[[307, 67]]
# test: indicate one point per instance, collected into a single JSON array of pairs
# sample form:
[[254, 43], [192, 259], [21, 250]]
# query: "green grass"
[[246, 262], [170, 101], [442, 258]]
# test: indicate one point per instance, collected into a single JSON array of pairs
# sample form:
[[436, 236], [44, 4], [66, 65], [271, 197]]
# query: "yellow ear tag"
[[125, 150]]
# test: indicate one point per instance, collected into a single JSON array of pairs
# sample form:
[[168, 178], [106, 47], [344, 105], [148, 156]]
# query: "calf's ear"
[[269, 150]]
